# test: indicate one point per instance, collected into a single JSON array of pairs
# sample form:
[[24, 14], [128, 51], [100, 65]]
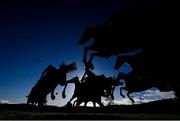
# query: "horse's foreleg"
[[101, 105], [78, 103], [121, 91], [52, 95], [85, 55], [85, 103], [72, 98], [130, 97], [89, 64], [94, 103], [75, 102], [63, 92], [112, 93]]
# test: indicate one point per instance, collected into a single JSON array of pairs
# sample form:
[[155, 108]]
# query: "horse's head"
[[68, 67], [87, 35], [120, 76]]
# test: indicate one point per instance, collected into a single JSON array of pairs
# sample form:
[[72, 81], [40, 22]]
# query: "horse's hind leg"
[[72, 98], [130, 97], [75, 102], [112, 93], [100, 104], [121, 91], [78, 103], [94, 103], [85, 103]]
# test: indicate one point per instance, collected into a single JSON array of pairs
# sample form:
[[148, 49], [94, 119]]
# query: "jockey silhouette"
[[50, 69]]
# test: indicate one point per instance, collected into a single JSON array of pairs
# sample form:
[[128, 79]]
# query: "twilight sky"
[[36, 33]]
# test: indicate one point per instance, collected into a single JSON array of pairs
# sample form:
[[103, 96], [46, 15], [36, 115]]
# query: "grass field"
[[37, 115], [156, 110]]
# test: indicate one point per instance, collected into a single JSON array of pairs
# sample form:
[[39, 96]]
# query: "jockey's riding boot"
[[91, 66]]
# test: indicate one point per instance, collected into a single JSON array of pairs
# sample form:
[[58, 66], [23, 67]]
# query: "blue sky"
[[34, 34]]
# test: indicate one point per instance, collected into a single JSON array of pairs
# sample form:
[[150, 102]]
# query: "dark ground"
[[165, 109]]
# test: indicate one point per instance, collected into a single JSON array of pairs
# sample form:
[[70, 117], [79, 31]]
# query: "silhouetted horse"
[[126, 31], [49, 82], [36, 96], [106, 43], [140, 27], [92, 87], [136, 82], [83, 93], [123, 32], [157, 65]]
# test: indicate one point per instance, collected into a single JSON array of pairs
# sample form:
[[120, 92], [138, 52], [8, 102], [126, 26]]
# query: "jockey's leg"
[[85, 55]]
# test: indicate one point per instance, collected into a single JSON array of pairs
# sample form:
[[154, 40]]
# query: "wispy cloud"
[[5, 102], [142, 97]]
